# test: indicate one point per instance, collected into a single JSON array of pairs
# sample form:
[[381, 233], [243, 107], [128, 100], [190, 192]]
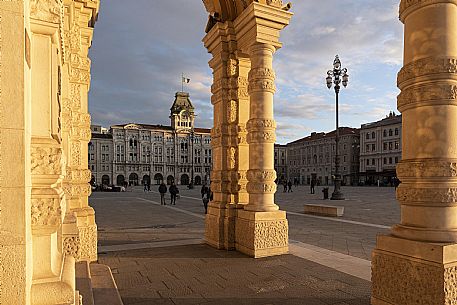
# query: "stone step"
[[104, 287], [84, 282], [324, 210]]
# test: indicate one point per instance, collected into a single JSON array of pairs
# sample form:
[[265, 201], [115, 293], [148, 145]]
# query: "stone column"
[[80, 230], [416, 264], [261, 229], [217, 42]]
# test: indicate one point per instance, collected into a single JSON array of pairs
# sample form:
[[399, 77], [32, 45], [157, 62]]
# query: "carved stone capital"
[[47, 10], [427, 94], [409, 6], [46, 212], [46, 160]]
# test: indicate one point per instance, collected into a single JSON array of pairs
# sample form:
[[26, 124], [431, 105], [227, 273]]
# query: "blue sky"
[[140, 50]]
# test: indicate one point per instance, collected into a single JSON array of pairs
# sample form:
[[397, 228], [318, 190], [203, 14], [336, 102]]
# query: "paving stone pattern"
[[198, 274]]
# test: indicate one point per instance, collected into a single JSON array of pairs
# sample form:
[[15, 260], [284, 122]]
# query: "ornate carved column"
[[217, 42], [80, 230], [261, 229], [416, 264]]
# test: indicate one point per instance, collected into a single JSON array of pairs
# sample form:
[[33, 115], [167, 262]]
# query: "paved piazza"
[[157, 255]]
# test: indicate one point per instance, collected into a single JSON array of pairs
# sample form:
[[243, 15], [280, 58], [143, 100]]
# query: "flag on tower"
[[185, 80]]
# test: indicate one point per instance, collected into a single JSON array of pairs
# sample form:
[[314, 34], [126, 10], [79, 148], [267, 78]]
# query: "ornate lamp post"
[[192, 136], [337, 76]]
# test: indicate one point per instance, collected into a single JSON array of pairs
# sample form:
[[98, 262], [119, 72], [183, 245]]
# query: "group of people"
[[174, 191]]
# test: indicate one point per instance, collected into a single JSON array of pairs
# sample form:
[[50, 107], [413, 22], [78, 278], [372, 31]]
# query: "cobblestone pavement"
[[178, 270]]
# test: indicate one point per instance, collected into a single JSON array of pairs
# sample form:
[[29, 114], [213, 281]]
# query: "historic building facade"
[[380, 150], [313, 157], [281, 162], [140, 153]]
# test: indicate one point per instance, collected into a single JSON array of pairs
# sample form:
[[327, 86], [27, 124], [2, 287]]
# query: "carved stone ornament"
[[46, 10], [232, 157], [46, 160], [232, 109], [419, 283], [261, 73], [261, 188], [437, 93], [271, 234], [427, 168], [426, 67], [411, 5], [46, 212], [262, 85], [88, 245], [71, 246], [232, 67], [76, 154], [437, 196], [262, 137], [255, 175], [277, 3], [261, 124]]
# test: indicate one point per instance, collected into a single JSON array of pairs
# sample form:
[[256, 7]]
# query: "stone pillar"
[[217, 42], [261, 229], [416, 264], [80, 230]]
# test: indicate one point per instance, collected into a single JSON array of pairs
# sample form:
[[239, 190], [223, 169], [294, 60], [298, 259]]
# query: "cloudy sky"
[[140, 50]]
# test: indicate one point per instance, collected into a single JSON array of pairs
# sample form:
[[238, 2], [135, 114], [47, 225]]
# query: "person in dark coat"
[[290, 186], [313, 183], [174, 191], [204, 190], [162, 191], [284, 183]]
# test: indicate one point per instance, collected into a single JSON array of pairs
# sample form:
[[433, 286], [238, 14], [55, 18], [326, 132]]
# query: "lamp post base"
[[337, 194]]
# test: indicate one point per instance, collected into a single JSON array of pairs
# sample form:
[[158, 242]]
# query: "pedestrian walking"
[[204, 190], [162, 191], [145, 187], [284, 183], [149, 186], [313, 183], [174, 191], [205, 200], [290, 186]]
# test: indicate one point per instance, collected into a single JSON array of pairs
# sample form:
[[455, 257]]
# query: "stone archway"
[[170, 180], [133, 179], [198, 180], [120, 180], [146, 180], [184, 179], [158, 178], [105, 180]]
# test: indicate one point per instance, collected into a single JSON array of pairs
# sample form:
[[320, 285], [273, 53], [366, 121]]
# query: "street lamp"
[[192, 135], [336, 76]]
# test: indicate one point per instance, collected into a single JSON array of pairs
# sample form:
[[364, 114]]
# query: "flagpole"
[[182, 82]]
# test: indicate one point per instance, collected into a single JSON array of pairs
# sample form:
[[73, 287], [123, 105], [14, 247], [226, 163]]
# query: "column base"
[[215, 225], [408, 272], [262, 234]]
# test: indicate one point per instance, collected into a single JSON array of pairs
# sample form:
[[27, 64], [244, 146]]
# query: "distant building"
[[380, 149], [142, 153], [281, 162], [313, 157]]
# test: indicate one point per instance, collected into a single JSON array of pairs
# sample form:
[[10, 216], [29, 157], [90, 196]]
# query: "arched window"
[[390, 132], [373, 135], [385, 132], [396, 131]]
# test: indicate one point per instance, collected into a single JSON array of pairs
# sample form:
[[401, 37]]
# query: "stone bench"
[[324, 210]]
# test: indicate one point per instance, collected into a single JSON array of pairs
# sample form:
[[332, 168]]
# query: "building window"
[[368, 147], [372, 162], [373, 147], [385, 132], [368, 136], [373, 135], [396, 160], [396, 131], [390, 132], [385, 160], [397, 145], [368, 161], [390, 145], [390, 160], [385, 145]]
